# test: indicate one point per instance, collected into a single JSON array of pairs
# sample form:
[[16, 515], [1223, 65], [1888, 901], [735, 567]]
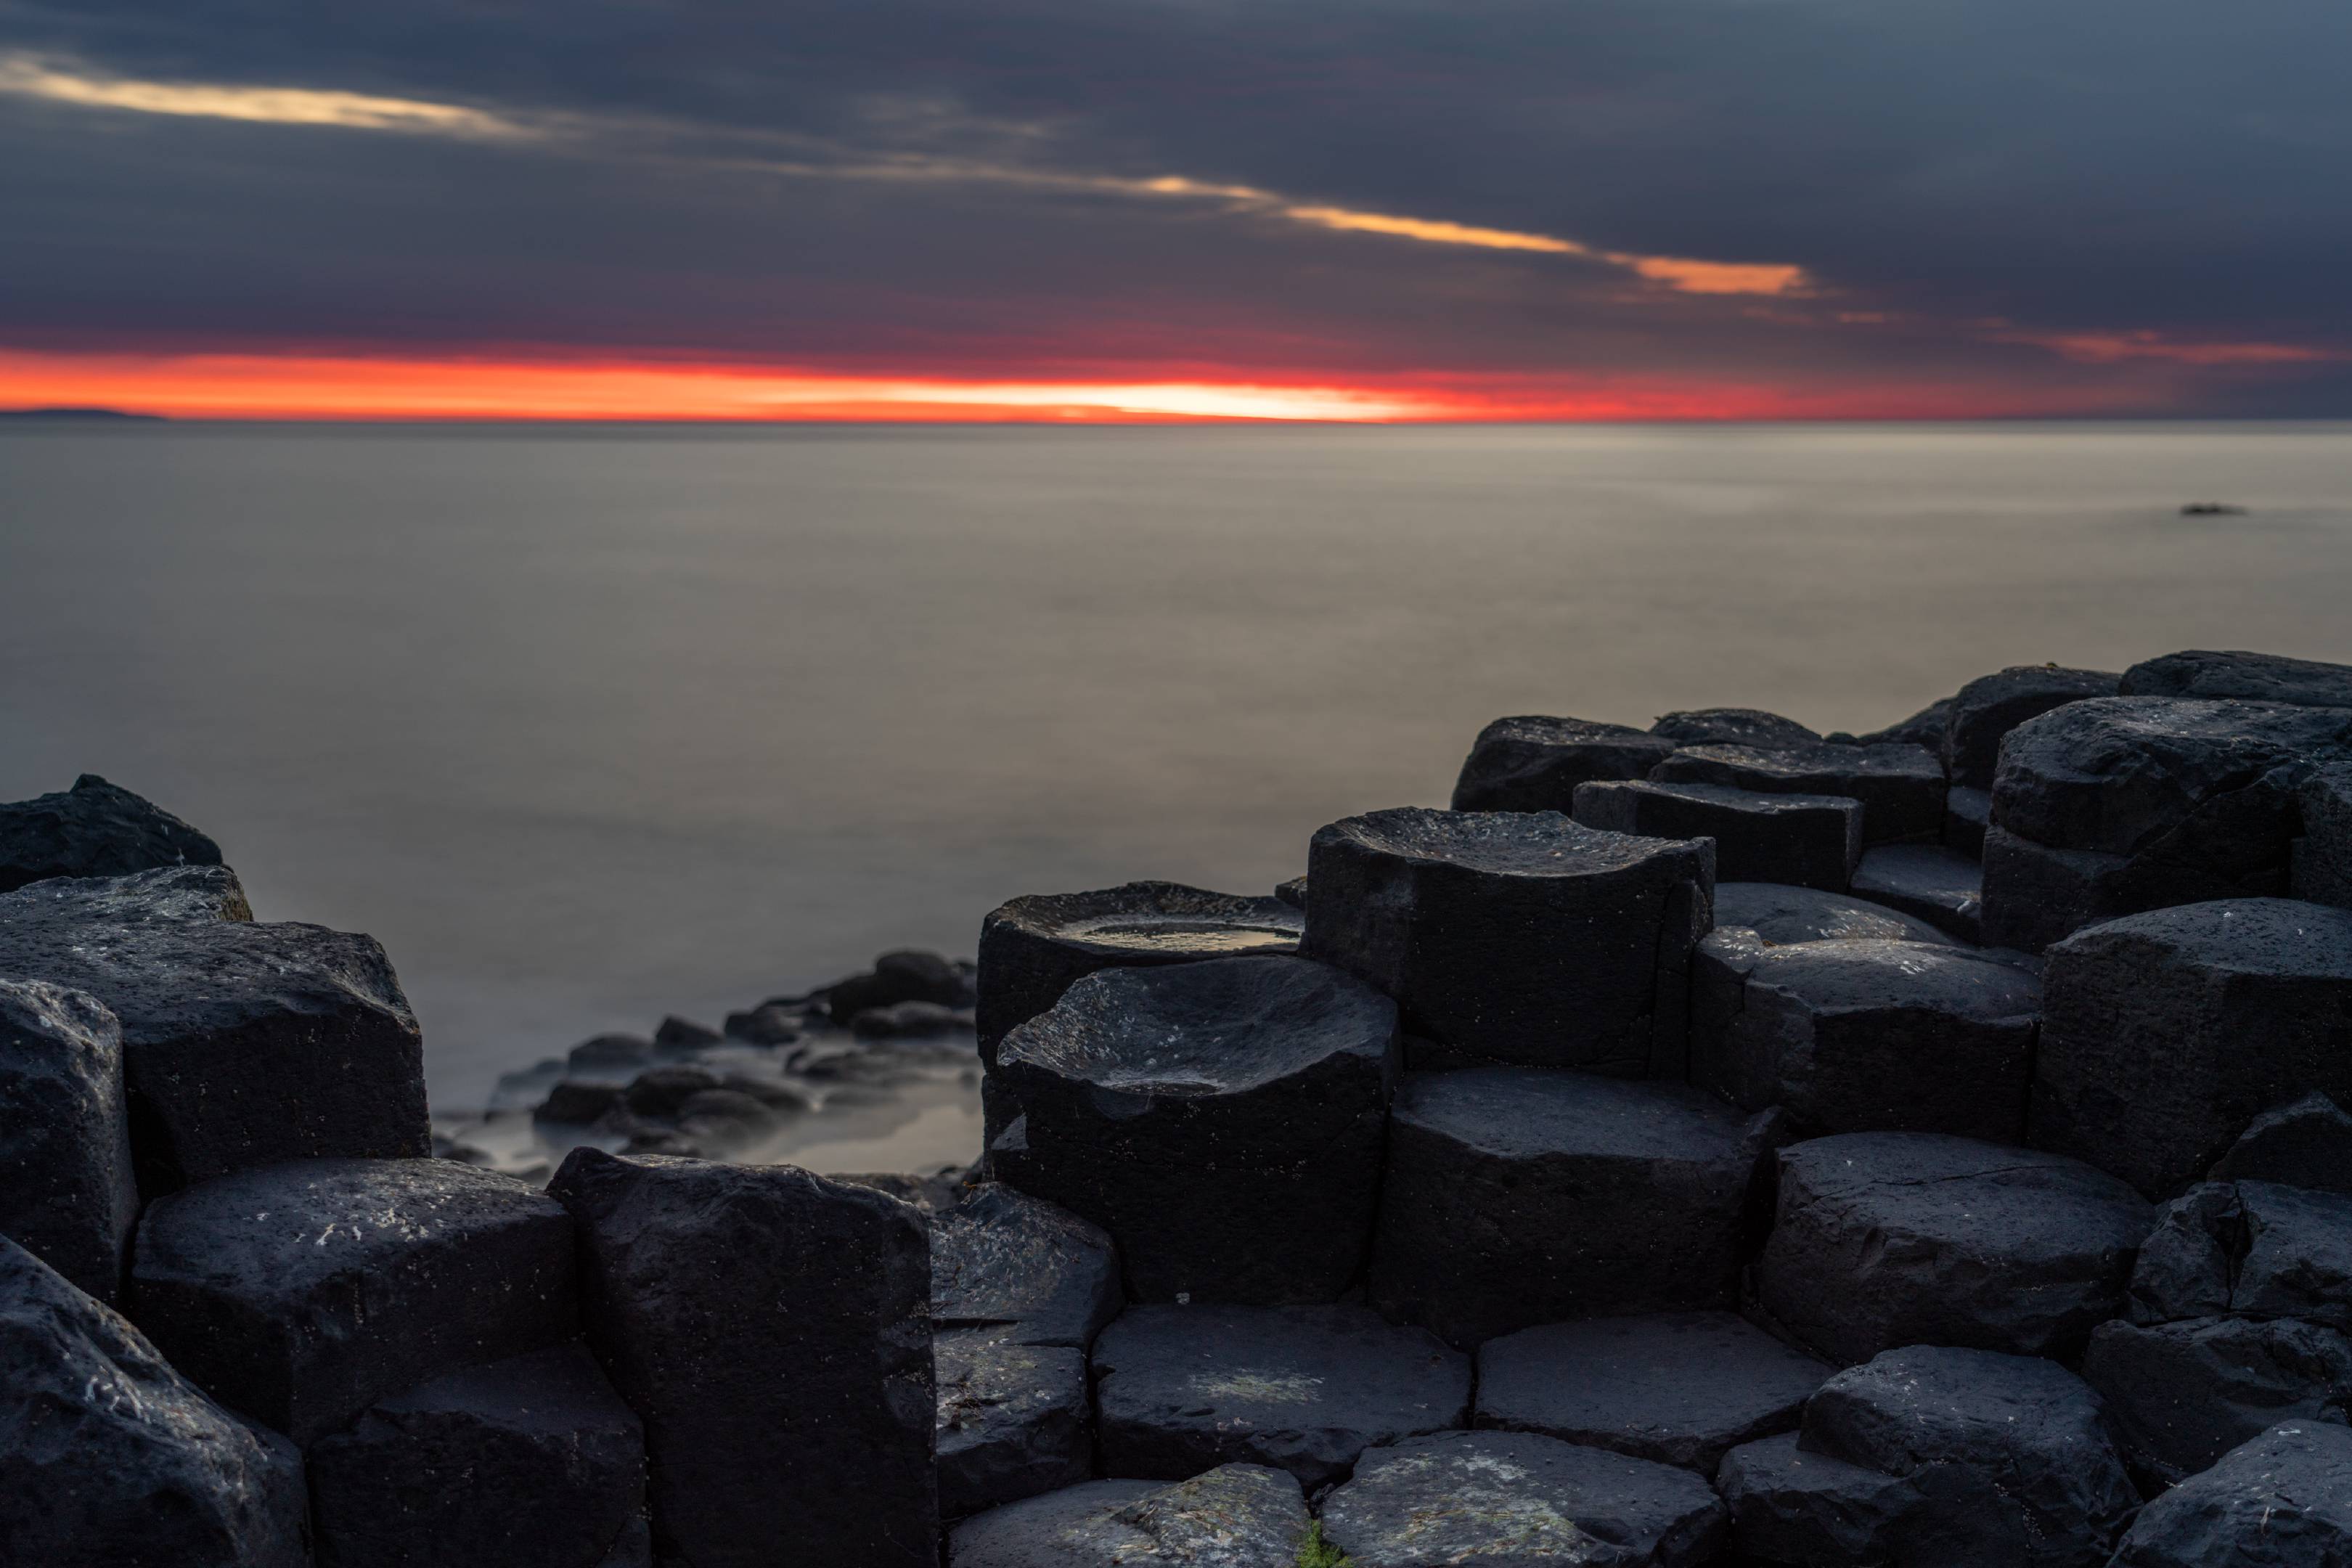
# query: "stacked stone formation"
[[1524, 1195]]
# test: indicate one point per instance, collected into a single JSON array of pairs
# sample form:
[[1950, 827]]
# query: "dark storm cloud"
[[2073, 171]]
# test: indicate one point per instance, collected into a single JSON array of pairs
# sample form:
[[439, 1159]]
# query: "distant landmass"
[[75, 414]]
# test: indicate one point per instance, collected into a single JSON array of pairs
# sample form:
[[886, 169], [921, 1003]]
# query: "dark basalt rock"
[[1533, 763], [1941, 886], [2321, 867], [1515, 937], [1968, 813], [1004, 1259], [766, 1024], [1790, 1506], [624, 1055], [1863, 1036], [1305, 1389], [2251, 1250], [772, 1330], [1014, 1420], [1782, 915], [530, 1462], [1034, 947], [2306, 1144], [1802, 840], [908, 1021], [243, 1045], [2283, 1500], [2006, 1457], [905, 975], [1680, 1388], [1516, 1196], [1734, 727], [2180, 1395], [1885, 1240], [1520, 1498], [1221, 1119], [575, 1103], [65, 1190], [2257, 677], [1901, 788], [300, 1294], [1237, 1515], [1292, 892], [2187, 800], [94, 829], [677, 1034], [1988, 707], [1925, 728], [109, 1459], [2164, 1034]]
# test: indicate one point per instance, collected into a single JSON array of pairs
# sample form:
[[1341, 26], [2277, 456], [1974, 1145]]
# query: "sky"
[[1178, 209]]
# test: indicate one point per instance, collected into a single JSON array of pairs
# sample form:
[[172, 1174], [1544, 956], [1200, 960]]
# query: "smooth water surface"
[[593, 724]]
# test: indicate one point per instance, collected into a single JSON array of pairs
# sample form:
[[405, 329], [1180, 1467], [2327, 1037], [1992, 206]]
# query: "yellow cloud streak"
[[24, 76]]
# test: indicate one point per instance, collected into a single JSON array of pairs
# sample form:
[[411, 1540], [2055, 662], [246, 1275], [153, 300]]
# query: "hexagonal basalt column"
[[1901, 787], [1516, 938], [1221, 1121], [1534, 763], [1516, 1196]]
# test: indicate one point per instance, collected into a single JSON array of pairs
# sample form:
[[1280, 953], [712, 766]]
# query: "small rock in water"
[[610, 1051], [907, 975], [677, 1034]]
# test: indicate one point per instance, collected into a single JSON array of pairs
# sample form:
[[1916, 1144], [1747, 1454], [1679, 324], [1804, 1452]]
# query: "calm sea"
[[593, 724]]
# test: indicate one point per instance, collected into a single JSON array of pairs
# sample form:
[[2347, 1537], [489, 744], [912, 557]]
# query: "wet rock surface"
[[2164, 1035], [1516, 1196], [1988, 707], [243, 1044], [1901, 787], [300, 1294], [1802, 840], [2256, 677], [1858, 1034], [1013, 1418], [2006, 1457], [1033, 948], [1221, 1119], [1533, 763], [1001, 1258], [1886, 1239], [108, 1457], [2281, 1501], [2182, 1395], [94, 829], [1734, 727], [1593, 928], [707, 1288], [66, 1194], [1235, 1516], [1680, 1388], [2305, 1143], [1938, 885], [1178, 1389], [1782, 915], [529, 1462], [1524, 1500]]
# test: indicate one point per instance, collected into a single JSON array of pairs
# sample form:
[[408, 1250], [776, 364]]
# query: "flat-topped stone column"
[[1901, 787], [1534, 763], [1222, 1120], [1516, 1196], [1515, 938], [1797, 840]]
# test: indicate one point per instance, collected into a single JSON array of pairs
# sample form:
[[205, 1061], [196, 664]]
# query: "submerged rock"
[[1235, 1516], [1533, 763], [1512, 937], [94, 829], [1305, 1389], [1520, 1498], [110, 1458], [1222, 1120], [65, 1190]]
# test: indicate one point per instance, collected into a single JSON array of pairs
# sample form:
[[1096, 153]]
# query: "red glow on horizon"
[[331, 386]]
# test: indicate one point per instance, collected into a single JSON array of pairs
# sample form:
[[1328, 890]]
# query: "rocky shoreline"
[[1717, 1143]]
